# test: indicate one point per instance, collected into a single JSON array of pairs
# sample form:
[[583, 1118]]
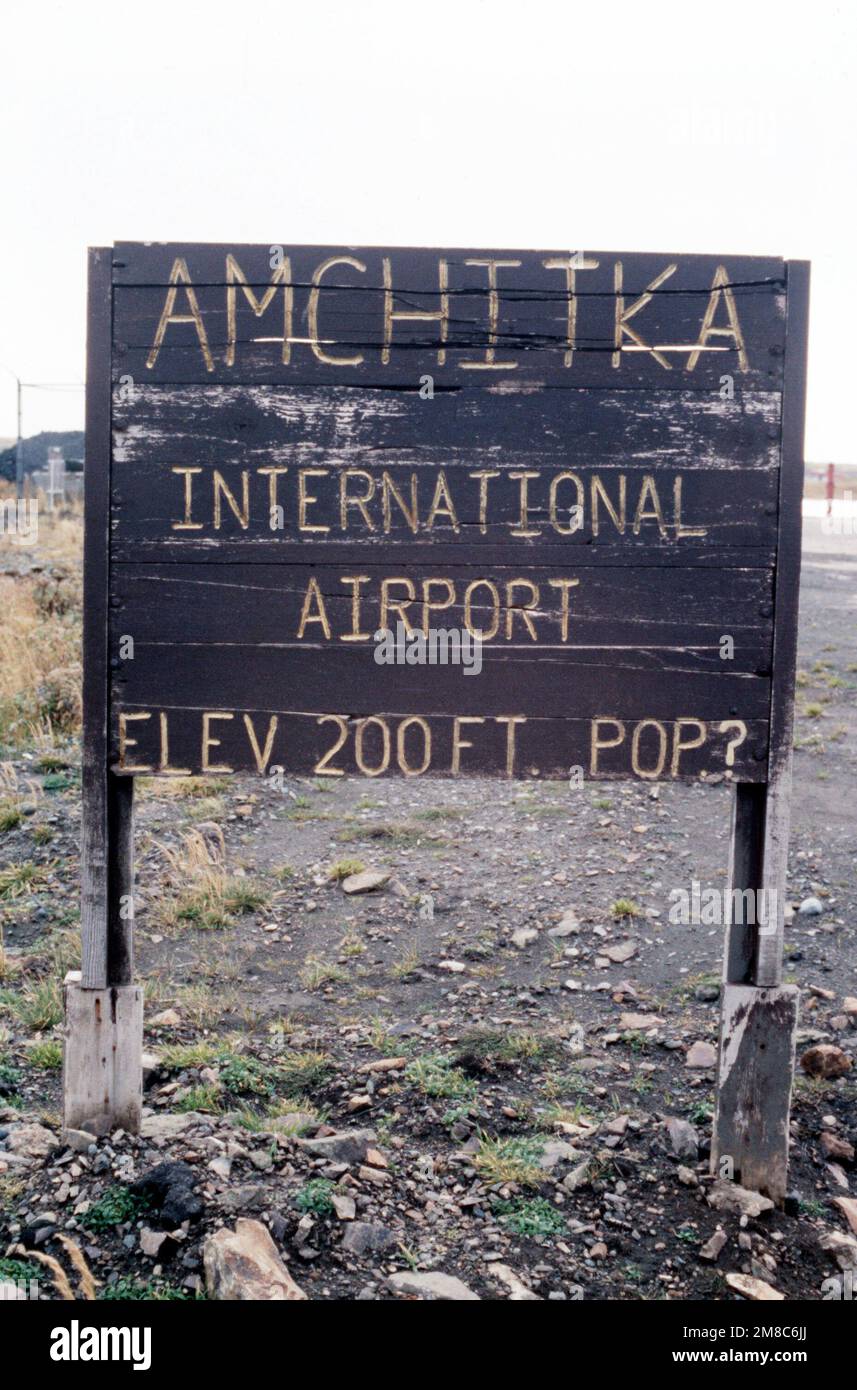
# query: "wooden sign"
[[576, 457], [585, 467]]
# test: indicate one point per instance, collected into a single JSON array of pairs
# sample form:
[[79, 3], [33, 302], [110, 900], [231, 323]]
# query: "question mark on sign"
[[733, 742]]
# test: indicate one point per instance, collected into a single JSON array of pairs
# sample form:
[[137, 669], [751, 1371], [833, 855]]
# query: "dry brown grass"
[[208, 897], [40, 632]]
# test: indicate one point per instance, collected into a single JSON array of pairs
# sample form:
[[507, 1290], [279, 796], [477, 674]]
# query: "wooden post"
[[102, 1065], [759, 1014]]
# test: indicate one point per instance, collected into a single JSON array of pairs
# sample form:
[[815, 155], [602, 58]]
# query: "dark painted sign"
[[566, 464]]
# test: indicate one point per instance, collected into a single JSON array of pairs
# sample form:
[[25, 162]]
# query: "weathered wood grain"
[[526, 325], [769, 953], [656, 619], [751, 1131], [663, 472], [102, 1070], [94, 868], [171, 739]]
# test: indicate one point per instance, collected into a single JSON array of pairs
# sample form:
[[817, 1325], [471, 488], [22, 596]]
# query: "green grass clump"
[[531, 1216], [14, 1271], [510, 1160], [179, 1056], [436, 1076], [118, 1205], [625, 907], [315, 1197], [344, 868], [246, 1076], [46, 1055], [18, 879], [301, 1073], [505, 1048], [10, 1077], [205, 1098], [10, 816], [40, 1006]]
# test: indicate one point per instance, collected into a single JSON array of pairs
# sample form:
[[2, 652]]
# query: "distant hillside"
[[36, 452]]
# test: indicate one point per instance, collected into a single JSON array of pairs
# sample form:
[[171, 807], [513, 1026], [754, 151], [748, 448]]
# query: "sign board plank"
[[276, 313], [576, 455], [204, 468]]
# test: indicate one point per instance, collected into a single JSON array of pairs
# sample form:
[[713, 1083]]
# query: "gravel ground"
[[507, 1027]]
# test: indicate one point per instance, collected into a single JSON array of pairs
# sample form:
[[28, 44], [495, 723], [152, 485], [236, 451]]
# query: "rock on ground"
[[432, 1285], [755, 1289], [825, 1061], [243, 1266], [730, 1196]]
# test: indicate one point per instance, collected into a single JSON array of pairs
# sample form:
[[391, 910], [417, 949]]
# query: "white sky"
[[644, 126]]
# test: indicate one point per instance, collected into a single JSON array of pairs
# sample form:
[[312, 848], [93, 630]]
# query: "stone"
[[168, 1193], [434, 1284], [578, 1177], [686, 1176], [825, 1061], [385, 1064], [848, 1207], [524, 937], [843, 1248], [683, 1137], [833, 1147], [811, 907], [730, 1196], [368, 881], [849, 1006], [168, 1190], [838, 1175], [349, 1146], [151, 1064], [79, 1140], [367, 1237], [168, 1126], [557, 1151], [711, 1249], [248, 1196], [167, 1018], [454, 967], [518, 1291], [701, 1056], [31, 1141], [756, 1289], [344, 1206], [620, 953], [373, 1175], [638, 1023], [568, 925], [152, 1243], [243, 1266]]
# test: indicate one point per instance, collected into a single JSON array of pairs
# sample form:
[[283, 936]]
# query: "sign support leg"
[[102, 1060], [758, 1013], [102, 1080]]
